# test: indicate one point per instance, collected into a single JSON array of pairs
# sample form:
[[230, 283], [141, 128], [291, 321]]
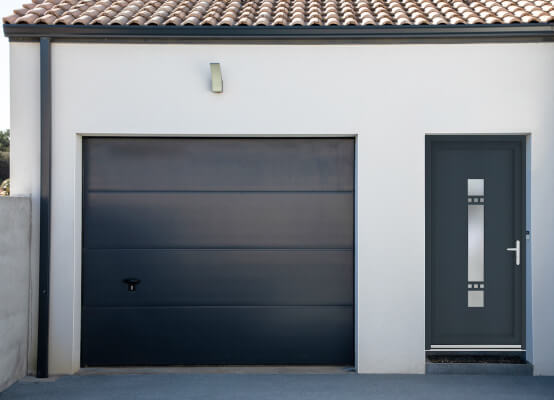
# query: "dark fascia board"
[[325, 34]]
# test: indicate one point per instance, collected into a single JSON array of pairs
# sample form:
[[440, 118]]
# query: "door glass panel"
[[475, 298], [475, 187], [476, 242]]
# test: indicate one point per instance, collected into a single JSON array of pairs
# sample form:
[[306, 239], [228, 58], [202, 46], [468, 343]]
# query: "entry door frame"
[[519, 185]]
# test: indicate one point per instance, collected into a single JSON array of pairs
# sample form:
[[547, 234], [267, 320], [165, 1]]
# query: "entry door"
[[475, 242], [218, 251]]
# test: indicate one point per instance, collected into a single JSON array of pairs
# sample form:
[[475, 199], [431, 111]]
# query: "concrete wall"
[[15, 242], [388, 96]]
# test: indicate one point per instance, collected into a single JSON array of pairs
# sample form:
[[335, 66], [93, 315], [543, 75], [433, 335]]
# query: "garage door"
[[217, 251]]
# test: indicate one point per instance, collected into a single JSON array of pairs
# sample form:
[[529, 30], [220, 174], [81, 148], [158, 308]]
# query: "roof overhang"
[[323, 34]]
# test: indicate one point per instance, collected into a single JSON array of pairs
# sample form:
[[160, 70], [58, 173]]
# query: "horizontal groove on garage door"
[[220, 191], [231, 277], [223, 306], [198, 335], [219, 164], [191, 220]]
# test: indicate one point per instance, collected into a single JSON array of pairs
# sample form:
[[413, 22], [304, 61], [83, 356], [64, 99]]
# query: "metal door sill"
[[476, 348]]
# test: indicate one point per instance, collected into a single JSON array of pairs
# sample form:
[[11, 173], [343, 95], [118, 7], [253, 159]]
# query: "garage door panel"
[[222, 277], [219, 220], [211, 335], [244, 249], [219, 164]]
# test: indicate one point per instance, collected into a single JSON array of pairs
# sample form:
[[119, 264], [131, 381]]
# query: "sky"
[[6, 7]]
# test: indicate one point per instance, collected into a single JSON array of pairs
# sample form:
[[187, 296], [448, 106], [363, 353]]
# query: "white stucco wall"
[[390, 96], [25, 160]]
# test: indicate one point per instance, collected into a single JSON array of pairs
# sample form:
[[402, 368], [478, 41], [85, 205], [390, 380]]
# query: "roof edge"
[[507, 32]]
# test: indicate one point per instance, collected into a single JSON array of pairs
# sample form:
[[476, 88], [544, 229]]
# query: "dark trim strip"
[[428, 148], [496, 32], [45, 186]]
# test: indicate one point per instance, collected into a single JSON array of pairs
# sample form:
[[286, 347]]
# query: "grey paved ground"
[[284, 387]]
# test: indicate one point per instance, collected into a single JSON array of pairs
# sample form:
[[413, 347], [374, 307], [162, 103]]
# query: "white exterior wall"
[[389, 96], [25, 160]]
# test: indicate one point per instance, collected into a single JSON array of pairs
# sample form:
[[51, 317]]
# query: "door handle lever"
[[517, 250]]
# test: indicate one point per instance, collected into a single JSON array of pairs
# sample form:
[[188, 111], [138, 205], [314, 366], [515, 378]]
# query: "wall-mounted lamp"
[[217, 79]]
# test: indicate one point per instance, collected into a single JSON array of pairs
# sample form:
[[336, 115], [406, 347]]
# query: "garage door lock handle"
[[132, 283]]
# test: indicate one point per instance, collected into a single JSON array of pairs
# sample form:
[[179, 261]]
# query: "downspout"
[[45, 207]]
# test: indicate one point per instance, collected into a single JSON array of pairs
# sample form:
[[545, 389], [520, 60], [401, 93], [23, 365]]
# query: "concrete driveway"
[[245, 386]]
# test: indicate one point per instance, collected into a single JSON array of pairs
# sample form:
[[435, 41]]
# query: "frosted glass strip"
[[475, 243], [475, 298], [475, 187]]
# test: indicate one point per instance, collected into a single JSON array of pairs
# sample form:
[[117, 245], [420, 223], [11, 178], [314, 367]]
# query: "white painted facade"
[[387, 96]]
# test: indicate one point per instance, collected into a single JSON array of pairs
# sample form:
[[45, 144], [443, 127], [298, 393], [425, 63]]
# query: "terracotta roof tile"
[[282, 12]]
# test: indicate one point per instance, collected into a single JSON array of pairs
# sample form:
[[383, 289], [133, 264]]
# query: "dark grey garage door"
[[217, 251]]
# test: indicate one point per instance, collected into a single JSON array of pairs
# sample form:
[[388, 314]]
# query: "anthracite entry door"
[[475, 242], [218, 251]]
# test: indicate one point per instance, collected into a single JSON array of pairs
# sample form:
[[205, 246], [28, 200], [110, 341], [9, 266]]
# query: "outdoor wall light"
[[217, 79]]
